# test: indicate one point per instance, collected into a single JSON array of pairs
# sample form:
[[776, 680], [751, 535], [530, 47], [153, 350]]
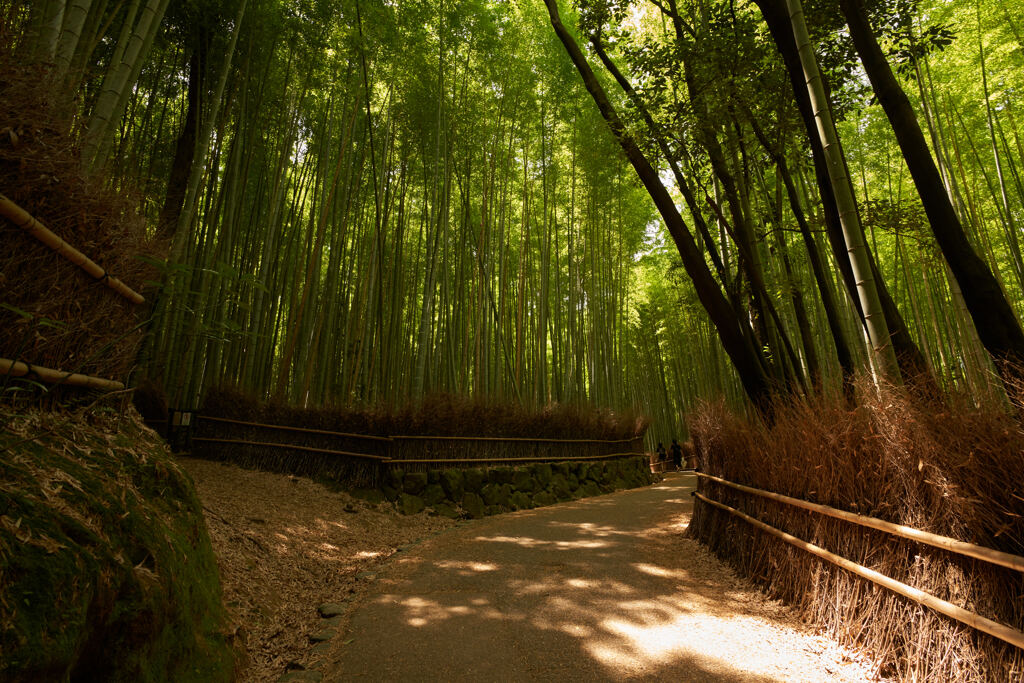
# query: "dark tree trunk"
[[745, 358], [997, 326], [185, 149]]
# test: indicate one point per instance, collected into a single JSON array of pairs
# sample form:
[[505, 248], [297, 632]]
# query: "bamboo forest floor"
[[606, 588], [285, 545]]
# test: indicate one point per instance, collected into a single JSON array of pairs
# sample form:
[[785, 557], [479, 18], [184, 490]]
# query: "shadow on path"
[[599, 589]]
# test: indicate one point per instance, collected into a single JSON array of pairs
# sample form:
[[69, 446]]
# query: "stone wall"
[[483, 491]]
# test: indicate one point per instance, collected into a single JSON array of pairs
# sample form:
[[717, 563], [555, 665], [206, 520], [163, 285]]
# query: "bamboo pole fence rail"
[[20, 369], [506, 438], [400, 461], [368, 437], [33, 227], [976, 621], [401, 437], [951, 544], [288, 446]]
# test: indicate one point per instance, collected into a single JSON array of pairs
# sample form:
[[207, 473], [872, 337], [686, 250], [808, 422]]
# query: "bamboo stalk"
[[270, 444], [19, 369], [400, 461], [33, 227], [976, 621], [951, 544], [293, 429]]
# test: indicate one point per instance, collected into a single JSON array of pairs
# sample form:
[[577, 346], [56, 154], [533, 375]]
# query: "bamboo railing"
[[385, 459], [19, 369], [33, 227], [976, 621], [951, 544]]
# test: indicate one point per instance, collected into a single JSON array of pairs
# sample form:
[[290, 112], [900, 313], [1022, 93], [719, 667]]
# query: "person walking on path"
[[677, 454]]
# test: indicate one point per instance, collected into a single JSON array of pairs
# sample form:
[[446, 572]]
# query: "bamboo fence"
[[951, 544], [976, 621], [20, 369], [36, 229], [391, 447]]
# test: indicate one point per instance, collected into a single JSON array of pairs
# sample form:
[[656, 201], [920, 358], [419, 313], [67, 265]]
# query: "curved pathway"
[[605, 588]]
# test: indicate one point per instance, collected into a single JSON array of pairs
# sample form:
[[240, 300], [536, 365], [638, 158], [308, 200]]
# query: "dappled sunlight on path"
[[599, 589]]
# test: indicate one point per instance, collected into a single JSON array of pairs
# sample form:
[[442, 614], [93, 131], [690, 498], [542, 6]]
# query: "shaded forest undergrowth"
[[944, 467]]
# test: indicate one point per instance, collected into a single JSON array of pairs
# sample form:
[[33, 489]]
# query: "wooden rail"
[[402, 437], [33, 227], [507, 438], [305, 430], [993, 628], [951, 544], [400, 461], [271, 444], [19, 369]]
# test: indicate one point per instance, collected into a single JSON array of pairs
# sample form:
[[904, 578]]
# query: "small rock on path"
[[605, 588]]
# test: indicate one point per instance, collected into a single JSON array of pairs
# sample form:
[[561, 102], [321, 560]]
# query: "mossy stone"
[[393, 478], [560, 488], [545, 498], [618, 484], [414, 482], [433, 494], [523, 480], [135, 596], [495, 510], [453, 482], [496, 494], [433, 476], [473, 504], [572, 481], [543, 473], [390, 493], [500, 475], [563, 468], [474, 479], [446, 510], [410, 505], [521, 501], [590, 489]]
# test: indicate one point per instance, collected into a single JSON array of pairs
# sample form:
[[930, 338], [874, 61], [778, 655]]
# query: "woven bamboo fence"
[[360, 459], [1005, 633]]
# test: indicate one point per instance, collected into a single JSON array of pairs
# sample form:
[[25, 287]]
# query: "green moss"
[[106, 569]]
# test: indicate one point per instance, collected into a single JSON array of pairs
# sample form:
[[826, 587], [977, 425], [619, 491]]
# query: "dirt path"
[[600, 589]]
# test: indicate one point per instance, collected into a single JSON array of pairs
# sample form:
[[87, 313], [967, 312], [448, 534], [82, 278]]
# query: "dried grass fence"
[[926, 469], [319, 448], [60, 311]]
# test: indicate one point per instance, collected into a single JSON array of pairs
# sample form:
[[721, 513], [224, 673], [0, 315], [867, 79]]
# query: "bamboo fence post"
[[976, 621], [951, 544], [19, 369], [33, 227]]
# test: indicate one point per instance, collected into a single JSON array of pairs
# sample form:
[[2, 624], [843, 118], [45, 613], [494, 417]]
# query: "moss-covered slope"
[[106, 569]]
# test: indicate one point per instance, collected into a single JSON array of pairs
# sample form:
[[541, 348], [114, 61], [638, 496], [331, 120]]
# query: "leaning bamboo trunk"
[[848, 217], [26, 222], [19, 369]]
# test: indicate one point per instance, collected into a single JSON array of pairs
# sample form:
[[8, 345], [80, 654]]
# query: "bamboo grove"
[[369, 202]]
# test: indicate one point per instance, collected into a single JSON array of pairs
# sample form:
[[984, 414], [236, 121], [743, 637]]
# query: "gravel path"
[[600, 589]]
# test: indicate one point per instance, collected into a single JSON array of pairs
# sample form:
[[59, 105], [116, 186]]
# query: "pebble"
[[323, 636], [332, 609], [369, 576]]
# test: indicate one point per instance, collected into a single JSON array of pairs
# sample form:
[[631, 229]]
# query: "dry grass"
[[285, 545], [946, 467], [74, 322]]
